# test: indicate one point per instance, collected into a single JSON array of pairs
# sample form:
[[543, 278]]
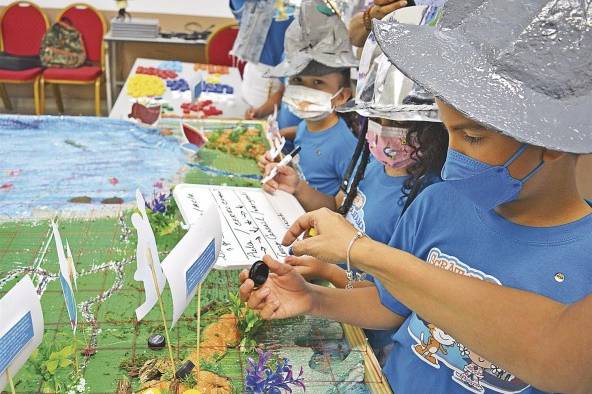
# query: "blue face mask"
[[486, 185]]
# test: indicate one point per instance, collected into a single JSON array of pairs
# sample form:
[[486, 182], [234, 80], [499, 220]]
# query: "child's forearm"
[[289, 133], [338, 277], [358, 307], [312, 199]]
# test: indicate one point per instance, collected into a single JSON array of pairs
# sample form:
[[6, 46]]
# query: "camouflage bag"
[[62, 46]]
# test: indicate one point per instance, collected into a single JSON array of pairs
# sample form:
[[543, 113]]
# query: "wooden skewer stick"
[[166, 330], [332, 5], [12, 389], [75, 354], [198, 365]]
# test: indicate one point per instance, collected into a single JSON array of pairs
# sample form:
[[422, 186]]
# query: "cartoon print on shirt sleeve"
[[355, 215], [438, 341], [435, 347]]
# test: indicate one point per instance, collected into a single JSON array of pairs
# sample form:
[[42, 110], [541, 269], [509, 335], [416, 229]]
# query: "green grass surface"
[[227, 162], [199, 177]]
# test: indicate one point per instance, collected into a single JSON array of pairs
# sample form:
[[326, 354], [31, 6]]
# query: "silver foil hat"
[[524, 69], [383, 91], [314, 35]]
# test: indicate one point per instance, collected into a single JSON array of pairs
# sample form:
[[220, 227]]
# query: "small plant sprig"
[[262, 379], [249, 322]]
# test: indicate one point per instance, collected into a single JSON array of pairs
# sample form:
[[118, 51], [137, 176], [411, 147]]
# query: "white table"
[[110, 67], [233, 106]]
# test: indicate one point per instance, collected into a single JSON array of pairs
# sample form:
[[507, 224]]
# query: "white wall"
[[214, 8]]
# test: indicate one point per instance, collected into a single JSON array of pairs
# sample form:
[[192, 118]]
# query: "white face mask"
[[308, 103]]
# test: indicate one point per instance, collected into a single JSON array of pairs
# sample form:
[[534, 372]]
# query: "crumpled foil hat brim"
[[401, 113], [295, 64], [447, 66]]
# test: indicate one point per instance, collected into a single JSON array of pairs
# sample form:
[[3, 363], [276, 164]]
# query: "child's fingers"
[[271, 186], [246, 289], [258, 297], [243, 276], [268, 167], [269, 310], [276, 267]]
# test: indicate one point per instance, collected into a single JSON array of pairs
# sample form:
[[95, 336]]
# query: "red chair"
[[22, 26], [92, 27], [219, 46]]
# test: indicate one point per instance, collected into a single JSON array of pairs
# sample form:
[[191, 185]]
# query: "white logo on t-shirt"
[[435, 347]]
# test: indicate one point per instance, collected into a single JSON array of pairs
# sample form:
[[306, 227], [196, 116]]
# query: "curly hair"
[[429, 141]]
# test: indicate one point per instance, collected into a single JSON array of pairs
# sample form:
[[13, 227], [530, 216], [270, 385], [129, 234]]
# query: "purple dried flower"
[[262, 379], [158, 204]]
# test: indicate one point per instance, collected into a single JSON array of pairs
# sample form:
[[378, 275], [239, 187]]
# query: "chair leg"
[[58, 97], [36, 96], [98, 97], [5, 98], [42, 96]]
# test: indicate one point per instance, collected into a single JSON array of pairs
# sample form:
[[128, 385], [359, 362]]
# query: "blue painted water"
[[46, 161]]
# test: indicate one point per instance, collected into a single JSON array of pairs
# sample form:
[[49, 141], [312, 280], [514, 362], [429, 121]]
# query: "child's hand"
[[309, 267], [287, 179], [263, 162], [251, 114], [284, 294]]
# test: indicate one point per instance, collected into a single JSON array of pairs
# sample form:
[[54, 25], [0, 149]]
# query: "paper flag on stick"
[[67, 274], [192, 258], [146, 242], [21, 327], [71, 266], [276, 140]]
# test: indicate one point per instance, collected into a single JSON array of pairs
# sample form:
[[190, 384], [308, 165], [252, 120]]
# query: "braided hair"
[[362, 153]]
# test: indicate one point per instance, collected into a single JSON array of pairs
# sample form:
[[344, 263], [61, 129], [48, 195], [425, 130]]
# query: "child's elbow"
[[584, 385], [567, 378]]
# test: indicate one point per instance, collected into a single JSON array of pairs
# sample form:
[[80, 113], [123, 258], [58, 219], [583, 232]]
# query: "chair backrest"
[[220, 44], [22, 26], [91, 24]]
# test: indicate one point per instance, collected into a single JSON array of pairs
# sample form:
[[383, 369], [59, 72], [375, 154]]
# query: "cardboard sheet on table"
[[21, 327], [253, 221]]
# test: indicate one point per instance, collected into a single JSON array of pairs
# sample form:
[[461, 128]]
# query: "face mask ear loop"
[[516, 155], [533, 172], [337, 94]]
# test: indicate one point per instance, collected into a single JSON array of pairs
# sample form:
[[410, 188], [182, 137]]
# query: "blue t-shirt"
[[450, 232], [273, 49], [325, 155], [286, 118], [378, 204]]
